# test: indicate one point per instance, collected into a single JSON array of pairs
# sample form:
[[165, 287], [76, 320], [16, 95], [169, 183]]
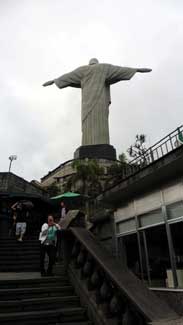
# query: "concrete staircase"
[[28, 299], [19, 256]]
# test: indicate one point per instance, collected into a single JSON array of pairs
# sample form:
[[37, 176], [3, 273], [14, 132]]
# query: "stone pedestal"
[[98, 151]]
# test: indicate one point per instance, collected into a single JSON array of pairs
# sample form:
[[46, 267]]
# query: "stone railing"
[[111, 293]]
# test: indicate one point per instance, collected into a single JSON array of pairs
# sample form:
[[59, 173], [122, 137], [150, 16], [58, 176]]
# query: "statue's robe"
[[95, 81]]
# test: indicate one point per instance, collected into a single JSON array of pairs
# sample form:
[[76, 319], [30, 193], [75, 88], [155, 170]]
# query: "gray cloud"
[[40, 40]]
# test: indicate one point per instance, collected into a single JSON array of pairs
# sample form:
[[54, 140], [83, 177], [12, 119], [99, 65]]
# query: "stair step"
[[29, 238], [9, 262], [26, 263], [40, 303], [72, 315], [63, 282], [18, 244], [75, 323], [33, 283], [26, 293], [19, 256], [18, 268], [19, 259], [20, 265], [19, 253], [14, 240], [19, 249], [37, 282], [29, 299]]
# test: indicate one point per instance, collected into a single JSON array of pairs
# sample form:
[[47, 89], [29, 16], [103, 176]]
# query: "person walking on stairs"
[[48, 238], [19, 218]]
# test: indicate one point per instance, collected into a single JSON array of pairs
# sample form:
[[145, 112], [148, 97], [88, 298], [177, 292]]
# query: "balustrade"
[[117, 296]]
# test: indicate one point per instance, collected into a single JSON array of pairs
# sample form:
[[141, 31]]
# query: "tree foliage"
[[139, 147], [116, 170], [123, 158], [86, 179]]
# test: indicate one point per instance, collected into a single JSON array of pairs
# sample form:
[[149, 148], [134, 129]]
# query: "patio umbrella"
[[66, 195], [71, 199]]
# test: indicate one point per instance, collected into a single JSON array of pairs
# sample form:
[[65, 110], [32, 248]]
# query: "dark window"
[[151, 218], [175, 210], [177, 237], [158, 255], [130, 245]]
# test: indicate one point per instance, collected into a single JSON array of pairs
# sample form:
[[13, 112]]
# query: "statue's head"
[[93, 61]]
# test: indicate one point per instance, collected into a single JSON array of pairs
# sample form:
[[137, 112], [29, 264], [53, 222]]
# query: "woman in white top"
[[48, 238]]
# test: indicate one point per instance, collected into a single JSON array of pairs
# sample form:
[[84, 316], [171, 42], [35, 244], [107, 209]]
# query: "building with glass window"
[[148, 217], [150, 226]]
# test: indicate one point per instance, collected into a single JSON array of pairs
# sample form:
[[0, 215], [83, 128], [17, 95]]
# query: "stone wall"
[[3, 182], [62, 171], [15, 184]]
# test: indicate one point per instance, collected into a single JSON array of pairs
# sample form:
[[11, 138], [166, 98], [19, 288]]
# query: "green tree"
[[116, 170], [123, 158], [138, 149], [86, 179]]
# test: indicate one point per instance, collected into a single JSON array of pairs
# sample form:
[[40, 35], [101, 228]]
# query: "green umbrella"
[[65, 195], [180, 137]]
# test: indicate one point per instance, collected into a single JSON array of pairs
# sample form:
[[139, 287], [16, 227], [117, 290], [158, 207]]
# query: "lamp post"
[[11, 158], [6, 216]]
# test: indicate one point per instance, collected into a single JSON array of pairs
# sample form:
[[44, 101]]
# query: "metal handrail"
[[160, 149], [167, 139], [177, 130]]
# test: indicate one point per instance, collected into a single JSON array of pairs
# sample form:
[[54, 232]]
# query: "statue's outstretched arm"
[[118, 73], [144, 70], [61, 82], [48, 83], [71, 79]]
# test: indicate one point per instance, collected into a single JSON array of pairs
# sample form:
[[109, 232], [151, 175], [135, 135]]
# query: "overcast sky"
[[43, 39]]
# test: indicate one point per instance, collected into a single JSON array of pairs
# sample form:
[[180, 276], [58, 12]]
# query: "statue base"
[[97, 151]]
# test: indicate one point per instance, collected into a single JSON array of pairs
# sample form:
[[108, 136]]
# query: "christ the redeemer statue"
[[95, 80]]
